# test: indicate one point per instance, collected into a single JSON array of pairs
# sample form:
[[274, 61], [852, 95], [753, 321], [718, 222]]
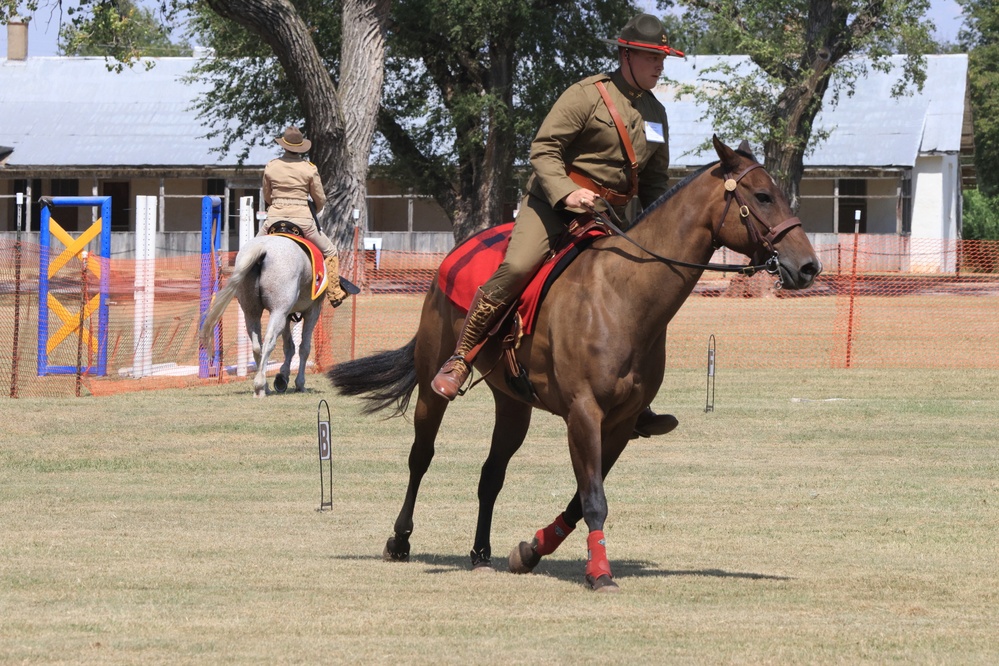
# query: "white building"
[[77, 129]]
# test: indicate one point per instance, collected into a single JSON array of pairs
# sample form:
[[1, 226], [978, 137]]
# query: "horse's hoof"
[[602, 584], [483, 567], [523, 558], [395, 551], [481, 559], [280, 383]]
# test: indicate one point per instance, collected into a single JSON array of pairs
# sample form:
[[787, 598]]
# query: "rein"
[[771, 265]]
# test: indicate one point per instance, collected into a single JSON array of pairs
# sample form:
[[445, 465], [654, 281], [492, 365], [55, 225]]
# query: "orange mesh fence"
[[881, 302]]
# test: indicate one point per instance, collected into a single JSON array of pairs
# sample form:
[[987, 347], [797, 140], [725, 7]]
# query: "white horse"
[[271, 273]]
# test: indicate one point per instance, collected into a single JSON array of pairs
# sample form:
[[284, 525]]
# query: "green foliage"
[[981, 38], [980, 216], [119, 30], [464, 72], [796, 46], [447, 90], [249, 99]]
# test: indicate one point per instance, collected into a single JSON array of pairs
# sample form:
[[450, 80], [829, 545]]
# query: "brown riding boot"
[[649, 423], [482, 314], [334, 291]]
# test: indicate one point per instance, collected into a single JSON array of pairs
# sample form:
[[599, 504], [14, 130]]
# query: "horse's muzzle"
[[801, 276]]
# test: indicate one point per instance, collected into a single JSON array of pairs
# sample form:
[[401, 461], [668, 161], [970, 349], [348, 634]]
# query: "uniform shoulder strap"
[[625, 140]]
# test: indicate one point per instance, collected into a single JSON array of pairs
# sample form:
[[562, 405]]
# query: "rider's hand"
[[582, 199]]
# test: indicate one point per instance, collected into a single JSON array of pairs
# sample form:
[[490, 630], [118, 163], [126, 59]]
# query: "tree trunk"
[[362, 71], [341, 139], [797, 106], [479, 203]]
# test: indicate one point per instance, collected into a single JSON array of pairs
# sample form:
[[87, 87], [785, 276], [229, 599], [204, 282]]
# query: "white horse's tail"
[[245, 260]]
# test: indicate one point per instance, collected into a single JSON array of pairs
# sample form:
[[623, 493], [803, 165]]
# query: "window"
[[852, 199]]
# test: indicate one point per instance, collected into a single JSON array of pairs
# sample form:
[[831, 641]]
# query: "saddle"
[[286, 229], [473, 262]]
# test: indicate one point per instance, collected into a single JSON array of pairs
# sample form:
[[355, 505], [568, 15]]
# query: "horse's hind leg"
[[275, 322], [304, 347], [427, 417], [513, 418], [252, 317]]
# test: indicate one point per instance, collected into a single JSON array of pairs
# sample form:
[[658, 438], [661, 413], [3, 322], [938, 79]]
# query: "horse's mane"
[[679, 186]]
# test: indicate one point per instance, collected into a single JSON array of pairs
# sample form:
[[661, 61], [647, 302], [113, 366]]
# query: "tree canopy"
[[467, 83], [120, 32], [796, 46], [980, 37]]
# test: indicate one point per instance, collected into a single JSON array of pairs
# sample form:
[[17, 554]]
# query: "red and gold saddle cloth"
[[319, 278], [472, 263]]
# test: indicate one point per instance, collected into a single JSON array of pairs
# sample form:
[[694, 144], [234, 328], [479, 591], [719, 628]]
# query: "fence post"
[[853, 290]]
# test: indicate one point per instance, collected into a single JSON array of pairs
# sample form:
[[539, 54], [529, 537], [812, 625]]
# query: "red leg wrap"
[[550, 538], [596, 559]]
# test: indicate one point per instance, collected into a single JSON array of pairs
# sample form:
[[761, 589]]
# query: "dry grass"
[[813, 517]]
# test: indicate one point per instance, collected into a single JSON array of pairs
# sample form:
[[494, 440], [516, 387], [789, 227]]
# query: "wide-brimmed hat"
[[644, 33], [293, 141]]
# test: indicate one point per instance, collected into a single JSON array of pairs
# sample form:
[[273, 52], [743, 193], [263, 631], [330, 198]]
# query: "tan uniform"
[[288, 182], [580, 132]]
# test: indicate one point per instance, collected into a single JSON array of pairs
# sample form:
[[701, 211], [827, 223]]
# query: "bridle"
[[746, 208]]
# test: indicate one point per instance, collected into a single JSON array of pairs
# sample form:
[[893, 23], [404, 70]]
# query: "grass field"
[[820, 517]]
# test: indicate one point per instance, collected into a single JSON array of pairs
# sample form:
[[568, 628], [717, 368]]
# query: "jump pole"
[[246, 232], [145, 285], [210, 361]]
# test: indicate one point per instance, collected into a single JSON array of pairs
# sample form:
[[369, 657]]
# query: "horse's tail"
[[383, 379], [245, 260]]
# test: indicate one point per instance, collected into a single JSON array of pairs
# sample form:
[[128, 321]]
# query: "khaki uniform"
[[288, 182], [580, 132]]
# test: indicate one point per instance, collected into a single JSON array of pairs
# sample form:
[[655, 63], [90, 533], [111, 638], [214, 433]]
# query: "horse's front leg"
[[585, 448], [527, 555], [288, 347], [513, 418]]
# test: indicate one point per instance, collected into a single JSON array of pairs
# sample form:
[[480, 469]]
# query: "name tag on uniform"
[[654, 132]]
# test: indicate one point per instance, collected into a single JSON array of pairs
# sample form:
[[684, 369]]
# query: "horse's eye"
[[764, 198]]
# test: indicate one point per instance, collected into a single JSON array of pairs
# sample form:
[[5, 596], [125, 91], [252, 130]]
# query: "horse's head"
[[757, 219]]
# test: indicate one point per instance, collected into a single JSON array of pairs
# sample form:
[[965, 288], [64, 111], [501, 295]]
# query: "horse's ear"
[[728, 157], [744, 147]]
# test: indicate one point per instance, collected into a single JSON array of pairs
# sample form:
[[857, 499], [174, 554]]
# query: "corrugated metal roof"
[[73, 112], [869, 129]]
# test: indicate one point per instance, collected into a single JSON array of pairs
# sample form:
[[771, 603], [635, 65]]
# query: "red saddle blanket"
[[319, 278], [472, 263]]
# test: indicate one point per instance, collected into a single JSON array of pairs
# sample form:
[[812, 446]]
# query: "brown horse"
[[597, 354]]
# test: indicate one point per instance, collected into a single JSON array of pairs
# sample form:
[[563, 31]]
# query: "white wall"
[[936, 206]]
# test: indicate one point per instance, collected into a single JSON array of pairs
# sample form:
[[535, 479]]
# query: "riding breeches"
[[536, 230], [309, 230]]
